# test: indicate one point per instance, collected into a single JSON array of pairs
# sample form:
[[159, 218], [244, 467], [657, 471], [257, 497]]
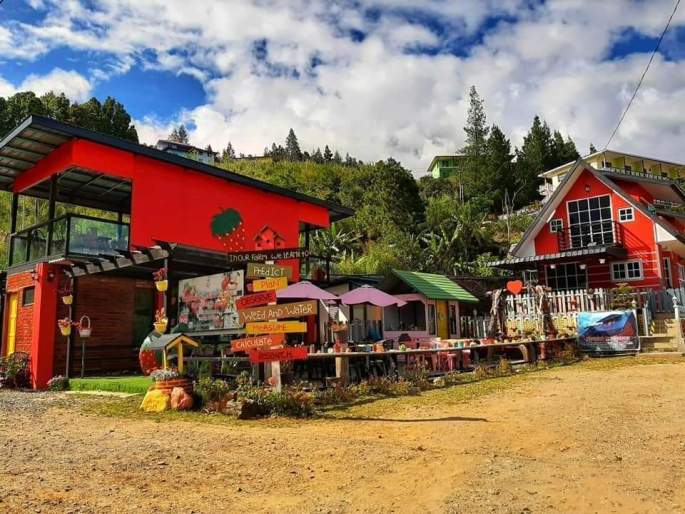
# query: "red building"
[[605, 227], [154, 209]]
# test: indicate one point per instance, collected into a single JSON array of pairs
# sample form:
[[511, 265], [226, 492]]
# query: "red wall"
[[16, 284], [638, 235]]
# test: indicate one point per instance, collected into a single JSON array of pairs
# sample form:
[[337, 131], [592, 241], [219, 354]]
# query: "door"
[[13, 305], [443, 324]]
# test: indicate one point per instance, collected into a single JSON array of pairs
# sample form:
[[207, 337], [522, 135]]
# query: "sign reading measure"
[[275, 327], [270, 312], [250, 343], [268, 271], [267, 284], [283, 354]]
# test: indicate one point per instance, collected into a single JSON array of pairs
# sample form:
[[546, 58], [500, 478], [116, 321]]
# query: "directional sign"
[[276, 327], [256, 270], [272, 312], [268, 284], [268, 255], [252, 300], [250, 343], [282, 355]]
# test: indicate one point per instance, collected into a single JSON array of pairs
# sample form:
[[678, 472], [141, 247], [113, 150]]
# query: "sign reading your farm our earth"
[[267, 255], [275, 327], [255, 270], [251, 343], [268, 284], [253, 300], [282, 355], [272, 312]]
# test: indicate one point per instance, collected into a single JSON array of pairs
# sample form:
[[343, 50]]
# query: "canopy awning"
[[434, 286], [306, 290], [371, 295], [524, 262]]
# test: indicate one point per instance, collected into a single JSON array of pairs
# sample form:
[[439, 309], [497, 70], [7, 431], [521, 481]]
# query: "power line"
[[637, 88]]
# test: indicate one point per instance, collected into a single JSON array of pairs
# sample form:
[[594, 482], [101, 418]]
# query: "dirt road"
[[593, 437]]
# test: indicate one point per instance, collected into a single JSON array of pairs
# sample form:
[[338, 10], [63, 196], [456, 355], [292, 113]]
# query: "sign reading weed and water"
[[608, 331], [282, 355], [251, 343], [268, 284], [274, 312], [253, 300], [276, 327], [256, 270], [267, 255]]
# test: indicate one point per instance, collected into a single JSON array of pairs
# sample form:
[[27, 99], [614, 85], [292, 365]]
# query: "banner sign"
[[282, 355], [608, 331], [271, 312], [209, 302], [268, 284], [251, 343], [268, 271], [268, 255], [253, 300], [276, 327]]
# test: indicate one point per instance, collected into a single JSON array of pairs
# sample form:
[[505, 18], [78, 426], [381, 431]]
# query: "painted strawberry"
[[227, 227]]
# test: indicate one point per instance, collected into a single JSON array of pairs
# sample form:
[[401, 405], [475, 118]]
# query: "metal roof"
[[520, 262], [37, 136], [435, 287]]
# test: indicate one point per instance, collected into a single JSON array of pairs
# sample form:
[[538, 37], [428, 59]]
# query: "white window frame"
[[590, 222], [624, 265], [564, 264], [552, 223], [681, 275], [629, 213]]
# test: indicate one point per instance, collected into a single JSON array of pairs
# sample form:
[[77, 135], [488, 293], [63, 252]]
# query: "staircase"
[[664, 334]]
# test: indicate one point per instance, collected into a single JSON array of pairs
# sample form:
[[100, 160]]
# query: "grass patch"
[[133, 384]]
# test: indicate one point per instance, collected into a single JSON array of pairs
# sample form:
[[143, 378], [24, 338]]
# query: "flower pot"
[[162, 285], [68, 299], [84, 327], [160, 326], [167, 385], [66, 331]]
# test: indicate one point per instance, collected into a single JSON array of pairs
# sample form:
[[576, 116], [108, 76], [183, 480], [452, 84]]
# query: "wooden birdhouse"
[[268, 239]]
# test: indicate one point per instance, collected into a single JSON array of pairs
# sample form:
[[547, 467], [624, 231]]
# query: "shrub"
[[503, 368], [417, 376], [15, 371], [290, 402], [481, 372], [211, 391], [58, 383]]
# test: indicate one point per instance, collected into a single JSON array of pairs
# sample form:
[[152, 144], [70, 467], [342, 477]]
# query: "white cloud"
[[376, 96], [74, 85]]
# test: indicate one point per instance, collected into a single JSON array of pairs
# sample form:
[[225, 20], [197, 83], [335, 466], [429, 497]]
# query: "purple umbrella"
[[305, 289], [368, 294]]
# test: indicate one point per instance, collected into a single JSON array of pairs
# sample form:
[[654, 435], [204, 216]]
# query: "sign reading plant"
[[227, 226]]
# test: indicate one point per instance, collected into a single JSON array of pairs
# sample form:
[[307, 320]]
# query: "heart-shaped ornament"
[[514, 286]]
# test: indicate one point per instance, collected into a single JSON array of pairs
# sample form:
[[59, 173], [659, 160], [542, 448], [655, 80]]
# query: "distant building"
[[187, 151], [618, 162], [443, 166]]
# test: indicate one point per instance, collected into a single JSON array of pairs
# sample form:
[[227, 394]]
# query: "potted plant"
[[64, 326], [83, 326], [67, 295], [167, 379], [161, 281], [161, 321]]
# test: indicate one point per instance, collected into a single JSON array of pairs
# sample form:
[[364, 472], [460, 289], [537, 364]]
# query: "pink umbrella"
[[368, 294], [305, 289]]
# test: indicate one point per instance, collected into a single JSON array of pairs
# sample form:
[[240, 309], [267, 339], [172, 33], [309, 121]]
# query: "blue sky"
[[371, 77]]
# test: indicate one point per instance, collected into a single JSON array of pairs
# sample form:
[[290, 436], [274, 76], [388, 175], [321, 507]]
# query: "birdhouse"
[[155, 344], [268, 239]]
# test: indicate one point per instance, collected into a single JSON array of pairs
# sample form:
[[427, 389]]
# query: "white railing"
[[474, 326]]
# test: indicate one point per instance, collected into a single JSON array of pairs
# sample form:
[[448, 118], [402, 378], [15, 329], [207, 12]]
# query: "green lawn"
[[134, 384]]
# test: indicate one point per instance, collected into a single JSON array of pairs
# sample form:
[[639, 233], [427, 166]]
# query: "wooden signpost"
[[268, 255], [280, 355], [253, 300], [275, 312], [256, 270], [276, 327], [251, 343], [268, 284]]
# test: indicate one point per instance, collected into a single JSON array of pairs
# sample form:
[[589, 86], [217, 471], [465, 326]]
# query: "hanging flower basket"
[[160, 278], [84, 327], [161, 326], [68, 299], [64, 326], [162, 285]]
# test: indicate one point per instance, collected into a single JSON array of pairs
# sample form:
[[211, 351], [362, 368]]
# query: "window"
[[556, 225], [681, 274], [667, 273], [631, 270], [628, 167], [568, 275], [431, 319], [626, 214], [590, 222], [28, 295], [607, 164], [664, 174]]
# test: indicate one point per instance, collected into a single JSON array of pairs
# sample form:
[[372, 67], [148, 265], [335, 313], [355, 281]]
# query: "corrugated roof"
[[435, 287]]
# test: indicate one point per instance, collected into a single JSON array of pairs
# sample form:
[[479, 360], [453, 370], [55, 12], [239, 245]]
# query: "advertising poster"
[[209, 303], [608, 331]]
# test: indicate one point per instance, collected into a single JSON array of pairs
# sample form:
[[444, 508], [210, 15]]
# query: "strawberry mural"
[[227, 227]]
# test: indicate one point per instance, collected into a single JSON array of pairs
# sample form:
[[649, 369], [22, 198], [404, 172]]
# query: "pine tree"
[[534, 157], [592, 148], [209, 149], [327, 154], [336, 158], [475, 149], [229, 152], [292, 147], [179, 135], [317, 156], [498, 176]]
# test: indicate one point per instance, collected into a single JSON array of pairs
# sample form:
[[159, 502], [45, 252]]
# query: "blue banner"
[[608, 331]]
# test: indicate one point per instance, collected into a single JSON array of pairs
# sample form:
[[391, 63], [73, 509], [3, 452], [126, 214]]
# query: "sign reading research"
[[608, 332]]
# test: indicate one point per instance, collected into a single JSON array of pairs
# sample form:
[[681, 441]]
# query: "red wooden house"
[[605, 227], [158, 209]]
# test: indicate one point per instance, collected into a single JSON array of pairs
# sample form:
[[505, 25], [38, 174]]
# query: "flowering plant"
[[58, 383], [159, 375], [64, 323], [160, 315], [160, 274]]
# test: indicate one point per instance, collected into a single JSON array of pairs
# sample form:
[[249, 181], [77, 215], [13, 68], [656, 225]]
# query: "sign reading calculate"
[[251, 343], [276, 327], [257, 270], [268, 284], [285, 310]]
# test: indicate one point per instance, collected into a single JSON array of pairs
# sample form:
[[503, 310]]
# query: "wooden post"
[[51, 212], [13, 225], [275, 365]]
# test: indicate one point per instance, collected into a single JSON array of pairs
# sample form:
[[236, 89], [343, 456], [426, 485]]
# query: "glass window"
[[631, 270], [28, 296], [569, 275], [590, 222], [431, 319], [556, 225], [626, 214]]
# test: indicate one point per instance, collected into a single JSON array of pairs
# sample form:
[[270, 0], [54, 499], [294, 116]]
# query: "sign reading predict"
[[268, 255], [268, 271], [275, 327], [608, 331], [251, 343], [270, 312], [282, 355]]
